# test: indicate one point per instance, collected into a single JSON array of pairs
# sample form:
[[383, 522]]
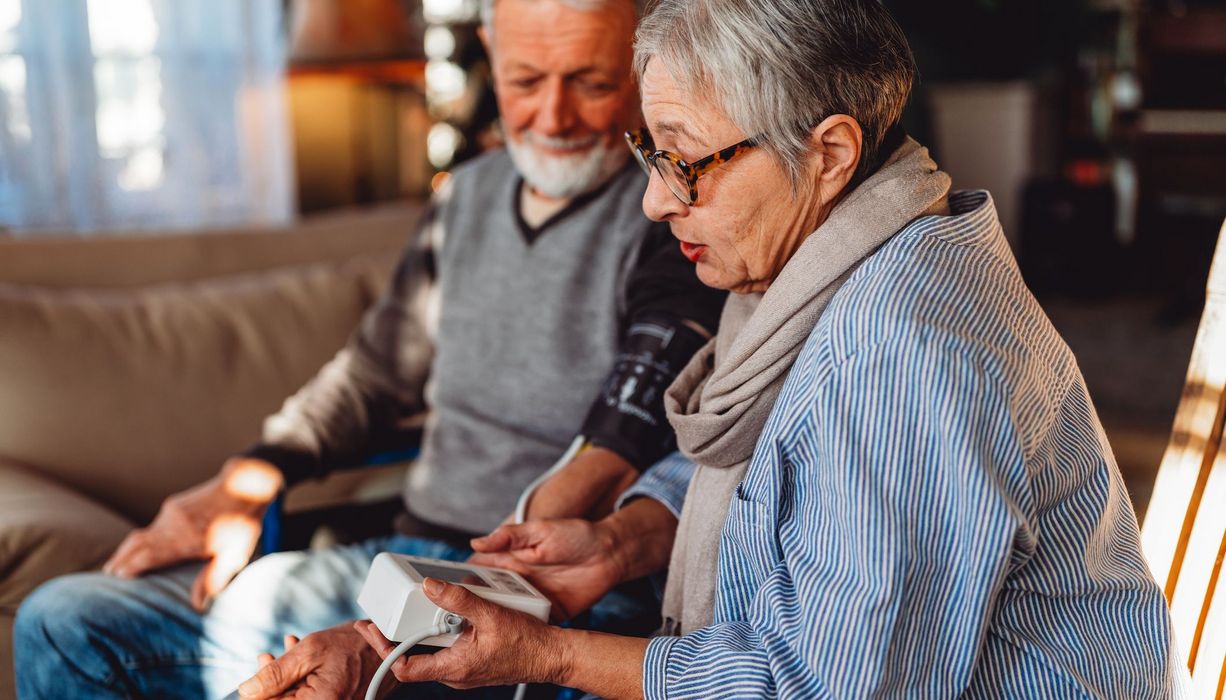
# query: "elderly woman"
[[901, 486]]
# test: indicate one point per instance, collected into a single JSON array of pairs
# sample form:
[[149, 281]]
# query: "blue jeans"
[[96, 636]]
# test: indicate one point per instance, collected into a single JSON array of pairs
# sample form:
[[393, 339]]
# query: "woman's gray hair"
[[487, 9], [778, 67]]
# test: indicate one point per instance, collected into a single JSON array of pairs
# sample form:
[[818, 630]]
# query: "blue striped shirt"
[[932, 509], [666, 481]]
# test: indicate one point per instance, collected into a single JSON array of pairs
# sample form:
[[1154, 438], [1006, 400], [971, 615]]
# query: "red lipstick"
[[692, 251]]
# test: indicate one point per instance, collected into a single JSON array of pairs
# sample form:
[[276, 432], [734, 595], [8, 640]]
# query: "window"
[[142, 114]]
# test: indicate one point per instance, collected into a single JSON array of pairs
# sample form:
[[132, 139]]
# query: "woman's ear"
[[837, 142]]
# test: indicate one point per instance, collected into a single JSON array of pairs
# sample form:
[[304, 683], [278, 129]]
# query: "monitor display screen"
[[450, 574]]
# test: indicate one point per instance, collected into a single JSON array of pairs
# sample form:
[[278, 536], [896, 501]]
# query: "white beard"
[[565, 177]]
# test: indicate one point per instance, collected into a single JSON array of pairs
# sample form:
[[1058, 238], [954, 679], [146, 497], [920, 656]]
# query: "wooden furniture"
[[1184, 536]]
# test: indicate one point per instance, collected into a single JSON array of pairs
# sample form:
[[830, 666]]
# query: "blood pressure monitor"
[[393, 598]]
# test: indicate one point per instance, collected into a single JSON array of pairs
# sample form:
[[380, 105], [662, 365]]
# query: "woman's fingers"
[[502, 561], [458, 600], [535, 542], [500, 647], [422, 667], [406, 669], [503, 539]]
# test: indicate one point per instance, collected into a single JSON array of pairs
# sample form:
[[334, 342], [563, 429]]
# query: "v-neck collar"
[[531, 234]]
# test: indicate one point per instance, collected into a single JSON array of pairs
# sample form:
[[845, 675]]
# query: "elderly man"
[[535, 295]]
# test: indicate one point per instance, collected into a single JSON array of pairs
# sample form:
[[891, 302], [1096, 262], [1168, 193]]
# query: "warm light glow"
[[1181, 465], [230, 540], [122, 26], [1204, 542], [440, 43], [253, 482], [442, 143], [445, 82], [1185, 526], [1212, 651], [254, 601], [442, 11], [439, 180]]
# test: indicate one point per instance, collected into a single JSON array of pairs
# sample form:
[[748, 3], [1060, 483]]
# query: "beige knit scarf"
[[721, 400]]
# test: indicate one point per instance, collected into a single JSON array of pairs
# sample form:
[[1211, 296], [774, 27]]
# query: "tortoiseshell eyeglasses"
[[680, 177]]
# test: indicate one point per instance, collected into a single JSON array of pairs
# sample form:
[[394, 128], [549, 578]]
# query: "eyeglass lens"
[[674, 178], [677, 183]]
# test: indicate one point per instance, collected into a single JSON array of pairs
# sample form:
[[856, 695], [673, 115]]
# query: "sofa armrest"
[[47, 530]]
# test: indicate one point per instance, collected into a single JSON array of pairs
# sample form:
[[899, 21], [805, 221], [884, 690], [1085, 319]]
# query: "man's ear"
[[838, 142], [486, 44]]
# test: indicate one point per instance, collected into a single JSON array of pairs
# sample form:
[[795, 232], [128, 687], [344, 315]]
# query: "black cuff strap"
[[295, 465], [628, 415]]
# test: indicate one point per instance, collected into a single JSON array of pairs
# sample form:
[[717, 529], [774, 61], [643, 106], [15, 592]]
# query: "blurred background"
[[1098, 125]]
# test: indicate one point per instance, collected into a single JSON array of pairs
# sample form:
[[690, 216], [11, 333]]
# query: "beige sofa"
[[132, 366]]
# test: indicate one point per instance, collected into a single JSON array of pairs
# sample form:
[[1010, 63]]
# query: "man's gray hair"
[[778, 67], [487, 9]]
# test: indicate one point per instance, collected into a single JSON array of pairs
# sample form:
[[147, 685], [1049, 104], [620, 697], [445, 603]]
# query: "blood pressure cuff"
[[628, 415]]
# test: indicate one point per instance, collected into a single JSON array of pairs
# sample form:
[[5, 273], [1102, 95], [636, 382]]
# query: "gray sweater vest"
[[527, 333]]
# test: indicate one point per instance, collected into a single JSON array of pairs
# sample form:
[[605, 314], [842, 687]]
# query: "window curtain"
[[122, 115]]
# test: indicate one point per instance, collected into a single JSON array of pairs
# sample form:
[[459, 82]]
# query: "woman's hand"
[[573, 562], [499, 647], [576, 562]]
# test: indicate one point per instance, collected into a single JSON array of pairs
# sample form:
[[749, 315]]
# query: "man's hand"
[[500, 647], [587, 487], [218, 521], [573, 562], [332, 663]]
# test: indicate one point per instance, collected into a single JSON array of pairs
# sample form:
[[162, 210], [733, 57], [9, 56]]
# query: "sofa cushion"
[[47, 530], [130, 395]]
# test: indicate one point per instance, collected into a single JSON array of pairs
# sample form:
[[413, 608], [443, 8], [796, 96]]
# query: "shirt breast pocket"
[[751, 540], [751, 506]]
